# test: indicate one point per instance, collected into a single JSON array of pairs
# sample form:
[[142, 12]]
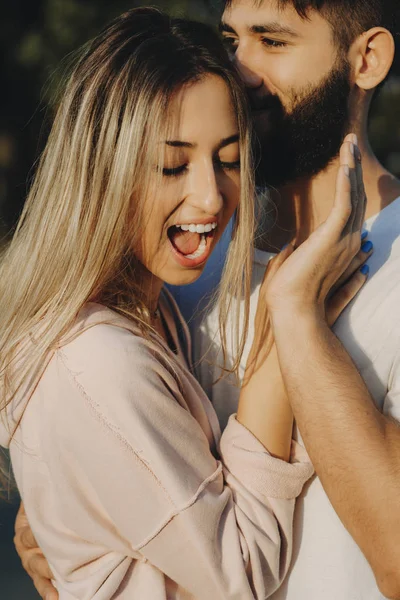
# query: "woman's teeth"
[[202, 246], [190, 239], [197, 228]]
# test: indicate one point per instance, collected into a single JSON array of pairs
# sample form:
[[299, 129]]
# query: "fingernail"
[[355, 139], [365, 269], [347, 170], [367, 246], [364, 235]]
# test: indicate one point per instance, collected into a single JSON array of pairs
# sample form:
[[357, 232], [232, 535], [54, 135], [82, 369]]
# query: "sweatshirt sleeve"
[[140, 476]]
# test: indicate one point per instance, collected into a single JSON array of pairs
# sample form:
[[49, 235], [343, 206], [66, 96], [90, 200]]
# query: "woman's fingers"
[[347, 158], [38, 569], [354, 184], [24, 539], [345, 294], [358, 198], [38, 566], [349, 205], [41, 579], [32, 558], [342, 210], [362, 199], [350, 201], [367, 249]]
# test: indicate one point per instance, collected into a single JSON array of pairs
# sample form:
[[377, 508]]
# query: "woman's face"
[[199, 192]]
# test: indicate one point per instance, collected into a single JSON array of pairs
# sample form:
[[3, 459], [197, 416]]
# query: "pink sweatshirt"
[[129, 487]]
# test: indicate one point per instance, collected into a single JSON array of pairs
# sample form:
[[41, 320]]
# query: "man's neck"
[[299, 208]]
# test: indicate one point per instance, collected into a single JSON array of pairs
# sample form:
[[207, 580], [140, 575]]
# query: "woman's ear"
[[372, 56]]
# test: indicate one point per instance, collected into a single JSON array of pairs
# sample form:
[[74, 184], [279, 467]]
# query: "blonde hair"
[[74, 239]]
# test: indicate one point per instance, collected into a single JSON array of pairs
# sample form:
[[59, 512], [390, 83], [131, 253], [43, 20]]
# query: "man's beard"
[[302, 143]]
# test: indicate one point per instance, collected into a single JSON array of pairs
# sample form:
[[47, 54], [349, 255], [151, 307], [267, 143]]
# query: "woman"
[[128, 485]]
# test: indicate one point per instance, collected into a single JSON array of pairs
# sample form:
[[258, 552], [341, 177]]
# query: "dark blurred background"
[[35, 35]]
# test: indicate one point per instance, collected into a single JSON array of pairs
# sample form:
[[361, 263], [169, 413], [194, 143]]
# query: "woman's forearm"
[[264, 408]]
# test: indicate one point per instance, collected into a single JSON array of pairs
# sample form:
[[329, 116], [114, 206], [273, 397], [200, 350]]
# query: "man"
[[312, 68]]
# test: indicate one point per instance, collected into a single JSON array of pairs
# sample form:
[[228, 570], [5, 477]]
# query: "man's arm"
[[355, 449]]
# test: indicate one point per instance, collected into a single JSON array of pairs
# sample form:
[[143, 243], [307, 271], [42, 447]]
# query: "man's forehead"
[[249, 14], [247, 10]]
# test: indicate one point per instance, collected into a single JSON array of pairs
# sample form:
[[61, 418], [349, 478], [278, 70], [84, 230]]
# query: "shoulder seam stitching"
[[190, 503], [109, 426]]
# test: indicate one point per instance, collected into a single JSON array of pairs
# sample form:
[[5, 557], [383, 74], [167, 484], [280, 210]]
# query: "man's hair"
[[349, 18]]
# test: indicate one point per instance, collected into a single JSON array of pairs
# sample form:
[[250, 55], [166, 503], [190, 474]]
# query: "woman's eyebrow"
[[229, 140], [224, 142], [180, 144]]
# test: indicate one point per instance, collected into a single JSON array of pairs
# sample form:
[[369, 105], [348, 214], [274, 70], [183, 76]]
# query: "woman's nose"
[[207, 193]]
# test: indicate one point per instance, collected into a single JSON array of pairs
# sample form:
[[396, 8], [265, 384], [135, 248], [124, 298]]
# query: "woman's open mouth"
[[191, 242]]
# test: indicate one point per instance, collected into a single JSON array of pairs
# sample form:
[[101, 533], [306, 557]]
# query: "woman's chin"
[[184, 277], [185, 269], [176, 268]]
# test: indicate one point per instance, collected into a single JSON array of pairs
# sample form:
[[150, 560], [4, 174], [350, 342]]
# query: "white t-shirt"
[[327, 563]]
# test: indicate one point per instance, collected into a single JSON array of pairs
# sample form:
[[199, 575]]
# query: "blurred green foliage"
[[34, 38]]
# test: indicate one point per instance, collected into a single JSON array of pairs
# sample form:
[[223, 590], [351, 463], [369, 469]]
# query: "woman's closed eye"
[[175, 171], [228, 166], [219, 164]]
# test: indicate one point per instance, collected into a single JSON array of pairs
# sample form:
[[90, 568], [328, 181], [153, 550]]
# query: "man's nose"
[[250, 77]]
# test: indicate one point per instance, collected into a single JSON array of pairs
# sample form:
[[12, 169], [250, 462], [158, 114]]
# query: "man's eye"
[[174, 171], [273, 43], [230, 43]]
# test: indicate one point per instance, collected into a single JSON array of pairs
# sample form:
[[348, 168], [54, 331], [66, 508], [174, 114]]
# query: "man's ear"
[[372, 56]]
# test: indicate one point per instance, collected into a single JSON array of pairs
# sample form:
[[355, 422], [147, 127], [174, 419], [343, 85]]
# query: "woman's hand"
[[348, 286], [263, 405], [32, 557], [307, 278], [319, 278]]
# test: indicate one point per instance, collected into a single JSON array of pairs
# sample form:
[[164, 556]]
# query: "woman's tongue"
[[185, 241]]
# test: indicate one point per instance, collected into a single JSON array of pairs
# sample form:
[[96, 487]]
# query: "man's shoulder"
[[370, 326], [384, 233], [385, 221]]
